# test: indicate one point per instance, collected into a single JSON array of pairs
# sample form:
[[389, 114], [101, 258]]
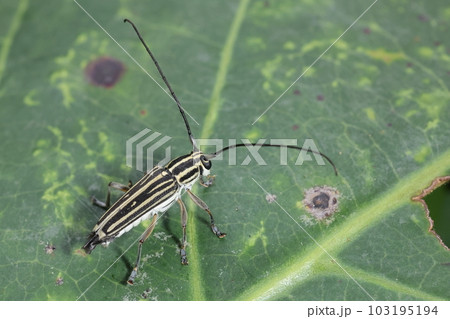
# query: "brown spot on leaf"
[[59, 281], [297, 92], [104, 72], [320, 97], [437, 182], [270, 198], [80, 252], [49, 249], [422, 17], [321, 201], [146, 293], [367, 30], [295, 127]]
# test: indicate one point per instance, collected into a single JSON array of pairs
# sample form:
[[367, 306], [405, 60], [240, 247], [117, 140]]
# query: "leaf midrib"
[[335, 241], [7, 41], [356, 224], [195, 271]]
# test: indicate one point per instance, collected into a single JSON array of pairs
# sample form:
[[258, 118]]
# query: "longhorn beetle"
[[159, 189]]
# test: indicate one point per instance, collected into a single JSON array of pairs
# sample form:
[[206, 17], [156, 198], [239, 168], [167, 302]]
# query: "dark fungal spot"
[[321, 201], [409, 65], [146, 293], [320, 97], [295, 127], [49, 249], [297, 92], [104, 72], [422, 17], [270, 198], [367, 30], [59, 281]]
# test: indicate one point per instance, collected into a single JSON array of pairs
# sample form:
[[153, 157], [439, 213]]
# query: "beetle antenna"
[[191, 137], [209, 156]]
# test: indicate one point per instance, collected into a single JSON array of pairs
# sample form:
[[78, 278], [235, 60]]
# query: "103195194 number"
[[395, 310]]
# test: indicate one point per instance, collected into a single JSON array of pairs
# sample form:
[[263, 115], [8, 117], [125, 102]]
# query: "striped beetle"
[[159, 189]]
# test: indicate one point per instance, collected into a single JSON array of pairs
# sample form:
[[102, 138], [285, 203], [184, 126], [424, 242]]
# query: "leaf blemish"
[[270, 198], [59, 281], [80, 252], [321, 201], [385, 56], [422, 17], [49, 249], [104, 72]]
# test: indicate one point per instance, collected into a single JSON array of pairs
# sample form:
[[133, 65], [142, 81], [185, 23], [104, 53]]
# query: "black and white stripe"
[[154, 193]]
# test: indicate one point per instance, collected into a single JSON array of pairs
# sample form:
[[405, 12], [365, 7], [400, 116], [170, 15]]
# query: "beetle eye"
[[206, 162]]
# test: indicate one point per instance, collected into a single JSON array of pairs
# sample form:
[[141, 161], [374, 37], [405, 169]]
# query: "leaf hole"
[[436, 201]]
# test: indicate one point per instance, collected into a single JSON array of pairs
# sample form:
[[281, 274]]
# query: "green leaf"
[[377, 103]]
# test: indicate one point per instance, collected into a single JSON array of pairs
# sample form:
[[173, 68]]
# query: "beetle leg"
[[114, 185], [205, 207], [144, 236], [184, 260], [209, 180]]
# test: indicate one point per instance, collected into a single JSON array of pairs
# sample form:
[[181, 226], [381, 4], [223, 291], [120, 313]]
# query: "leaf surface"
[[376, 102]]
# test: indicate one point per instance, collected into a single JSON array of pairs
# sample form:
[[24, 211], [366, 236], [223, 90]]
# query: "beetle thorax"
[[187, 168]]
